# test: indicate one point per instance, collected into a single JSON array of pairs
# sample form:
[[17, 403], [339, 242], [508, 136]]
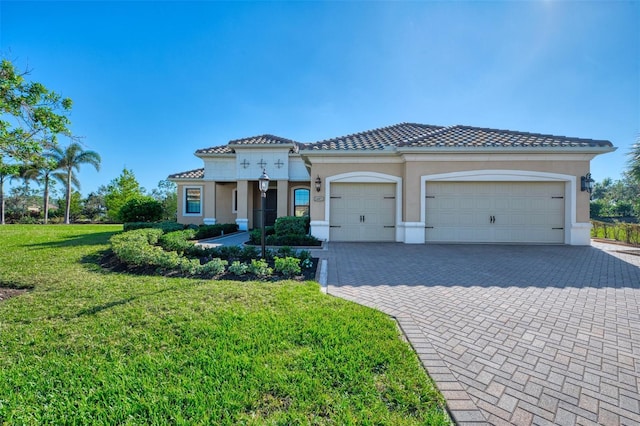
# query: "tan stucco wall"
[[189, 220], [224, 199], [412, 170], [416, 169], [356, 164]]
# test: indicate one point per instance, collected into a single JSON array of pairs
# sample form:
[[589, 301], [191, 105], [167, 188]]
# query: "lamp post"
[[263, 185]]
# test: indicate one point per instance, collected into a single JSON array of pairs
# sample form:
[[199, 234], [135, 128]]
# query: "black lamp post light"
[[318, 183], [263, 186], [586, 183]]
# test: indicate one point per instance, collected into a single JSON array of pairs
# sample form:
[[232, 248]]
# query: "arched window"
[[301, 202]]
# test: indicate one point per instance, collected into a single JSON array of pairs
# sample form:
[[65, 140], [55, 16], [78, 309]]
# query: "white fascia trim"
[[510, 176], [500, 156], [365, 177], [507, 150]]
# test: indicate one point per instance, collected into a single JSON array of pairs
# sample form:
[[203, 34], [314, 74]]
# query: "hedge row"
[[169, 253]]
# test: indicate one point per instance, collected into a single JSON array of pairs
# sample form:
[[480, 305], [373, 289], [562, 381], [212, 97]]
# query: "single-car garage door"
[[495, 212], [362, 212]]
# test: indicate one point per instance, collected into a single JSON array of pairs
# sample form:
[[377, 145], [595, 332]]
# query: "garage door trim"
[[509, 176]]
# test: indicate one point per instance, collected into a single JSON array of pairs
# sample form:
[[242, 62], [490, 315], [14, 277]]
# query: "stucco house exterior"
[[411, 183]]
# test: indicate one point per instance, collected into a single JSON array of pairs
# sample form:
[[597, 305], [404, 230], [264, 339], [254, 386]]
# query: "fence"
[[619, 231]]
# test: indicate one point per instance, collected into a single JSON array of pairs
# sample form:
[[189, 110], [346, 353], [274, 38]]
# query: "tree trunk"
[[66, 214], [46, 199], [2, 200]]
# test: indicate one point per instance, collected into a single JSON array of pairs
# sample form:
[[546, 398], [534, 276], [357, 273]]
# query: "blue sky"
[[154, 81]]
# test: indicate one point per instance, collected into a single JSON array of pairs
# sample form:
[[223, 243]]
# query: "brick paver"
[[511, 334]]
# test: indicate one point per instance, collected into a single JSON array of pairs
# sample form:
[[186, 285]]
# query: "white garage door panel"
[[362, 212], [529, 212]]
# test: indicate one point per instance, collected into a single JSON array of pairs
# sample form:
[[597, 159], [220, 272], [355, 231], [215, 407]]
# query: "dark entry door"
[[271, 210]]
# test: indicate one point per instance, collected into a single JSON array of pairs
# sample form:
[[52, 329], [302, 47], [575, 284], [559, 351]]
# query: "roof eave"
[[509, 150]]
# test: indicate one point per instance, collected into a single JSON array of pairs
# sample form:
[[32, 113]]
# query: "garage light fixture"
[[586, 183], [318, 183]]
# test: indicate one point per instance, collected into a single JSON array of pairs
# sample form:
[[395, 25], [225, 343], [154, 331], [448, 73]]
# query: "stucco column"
[[283, 198], [242, 215], [209, 203]]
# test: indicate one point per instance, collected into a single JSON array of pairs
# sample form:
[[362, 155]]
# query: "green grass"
[[87, 346]]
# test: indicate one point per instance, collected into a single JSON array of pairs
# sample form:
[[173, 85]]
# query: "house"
[[411, 183]]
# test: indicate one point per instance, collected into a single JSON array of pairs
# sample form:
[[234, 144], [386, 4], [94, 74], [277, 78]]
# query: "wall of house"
[[386, 165], [189, 220], [416, 169], [224, 199], [413, 166]]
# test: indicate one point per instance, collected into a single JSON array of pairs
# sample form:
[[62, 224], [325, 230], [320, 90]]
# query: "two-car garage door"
[[495, 212]]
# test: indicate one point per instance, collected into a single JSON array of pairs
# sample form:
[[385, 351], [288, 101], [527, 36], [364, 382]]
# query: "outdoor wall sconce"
[[318, 183], [586, 183]]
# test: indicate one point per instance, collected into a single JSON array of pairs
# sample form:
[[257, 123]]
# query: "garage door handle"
[[492, 219]]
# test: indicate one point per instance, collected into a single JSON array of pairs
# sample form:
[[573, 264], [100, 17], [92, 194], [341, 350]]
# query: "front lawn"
[[89, 346]]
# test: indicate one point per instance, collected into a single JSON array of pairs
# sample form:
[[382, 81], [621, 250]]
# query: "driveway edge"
[[461, 408]]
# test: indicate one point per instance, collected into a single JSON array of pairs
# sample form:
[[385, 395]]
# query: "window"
[[193, 200], [301, 202]]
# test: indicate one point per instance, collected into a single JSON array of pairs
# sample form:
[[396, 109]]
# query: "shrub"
[[177, 241], [260, 268], [164, 226], [214, 267], [248, 253], [287, 266], [141, 209], [137, 247], [210, 231], [286, 251], [238, 268], [255, 235], [287, 225], [292, 240]]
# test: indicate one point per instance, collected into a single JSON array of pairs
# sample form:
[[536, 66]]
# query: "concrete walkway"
[[235, 239], [511, 334]]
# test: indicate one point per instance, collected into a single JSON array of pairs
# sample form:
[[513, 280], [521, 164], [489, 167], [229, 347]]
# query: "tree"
[[71, 159], [31, 116], [166, 194], [141, 209], [94, 207], [634, 162], [43, 170], [120, 190], [7, 171]]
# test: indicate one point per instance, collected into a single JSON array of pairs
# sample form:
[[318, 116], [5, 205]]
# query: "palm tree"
[[44, 170], [69, 160]]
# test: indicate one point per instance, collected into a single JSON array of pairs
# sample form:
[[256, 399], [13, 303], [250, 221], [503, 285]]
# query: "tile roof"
[[376, 139], [413, 135], [477, 137], [222, 149], [191, 174], [263, 140]]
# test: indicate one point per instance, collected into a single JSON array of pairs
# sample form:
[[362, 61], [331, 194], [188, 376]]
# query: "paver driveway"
[[511, 334]]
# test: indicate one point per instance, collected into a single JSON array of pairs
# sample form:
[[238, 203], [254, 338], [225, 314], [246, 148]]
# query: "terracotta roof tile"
[[477, 137], [191, 174]]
